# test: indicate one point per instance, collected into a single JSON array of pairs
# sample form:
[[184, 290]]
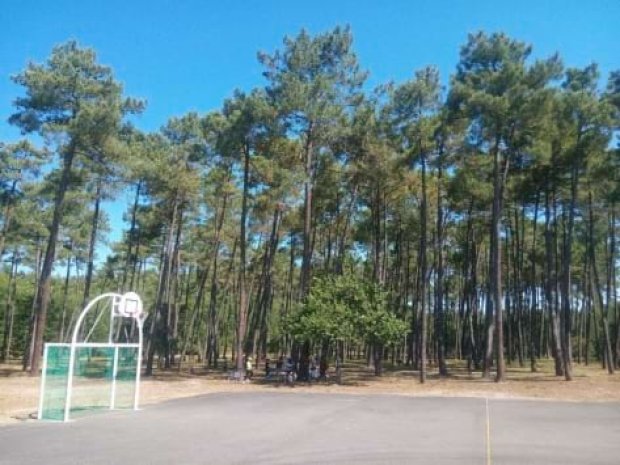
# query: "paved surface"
[[281, 428]]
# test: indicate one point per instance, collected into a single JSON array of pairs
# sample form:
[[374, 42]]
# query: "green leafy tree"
[[75, 103], [344, 308]]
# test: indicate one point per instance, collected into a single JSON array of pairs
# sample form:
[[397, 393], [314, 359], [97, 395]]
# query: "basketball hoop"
[[130, 306]]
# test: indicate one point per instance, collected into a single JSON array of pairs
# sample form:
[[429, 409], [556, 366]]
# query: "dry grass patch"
[[19, 392]]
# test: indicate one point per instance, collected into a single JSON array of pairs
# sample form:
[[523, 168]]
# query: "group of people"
[[314, 369], [289, 370], [285, 369], [317, 368]]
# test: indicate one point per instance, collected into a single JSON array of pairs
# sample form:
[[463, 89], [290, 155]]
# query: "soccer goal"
[[81, 375]]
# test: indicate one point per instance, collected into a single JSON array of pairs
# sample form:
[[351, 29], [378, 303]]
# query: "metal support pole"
[[43, 379], [136, 397], [114, 373], [69, 382]]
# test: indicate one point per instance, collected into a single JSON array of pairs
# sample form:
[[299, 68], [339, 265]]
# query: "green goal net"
[[83, 376], [55, 374], [103, 377]]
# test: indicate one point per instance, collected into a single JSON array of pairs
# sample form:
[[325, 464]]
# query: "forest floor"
[[19, 392]]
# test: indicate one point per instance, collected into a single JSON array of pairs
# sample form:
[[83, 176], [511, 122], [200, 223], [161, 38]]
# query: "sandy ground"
[[19, 393]]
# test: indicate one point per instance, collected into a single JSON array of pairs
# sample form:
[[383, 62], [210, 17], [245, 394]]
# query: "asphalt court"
[[299, 428]]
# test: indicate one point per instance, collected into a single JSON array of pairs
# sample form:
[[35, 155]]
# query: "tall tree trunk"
[[496, 269], [158, 329], [610, 286], [612, 271], [9, 315], [533, 289], [212, 346], [243, 298], [519, 290], [201, 278], [308, 238], [30, 332], [173, 295], [508, 301], [439, 284], [423, 276], [264, 295], [606, 342], [65, 296], [45, 281], [565, 315], [212, 323], [342, 247], [588, 308], [7, 216], [489, 322], [308, 188], [377, 255], [131, 238], [550, 301], [377, 348], [465, 304], [91, 245]]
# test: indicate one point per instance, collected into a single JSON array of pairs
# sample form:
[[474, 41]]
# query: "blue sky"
[[189, 55]]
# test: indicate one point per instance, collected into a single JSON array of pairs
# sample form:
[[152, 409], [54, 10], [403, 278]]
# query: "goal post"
[[82, 376]]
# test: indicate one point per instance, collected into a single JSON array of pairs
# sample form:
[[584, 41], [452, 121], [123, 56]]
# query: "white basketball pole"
[[43, 376], [114, 373], [136, 397]]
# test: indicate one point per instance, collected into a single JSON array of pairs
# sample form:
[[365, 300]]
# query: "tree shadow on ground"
[[12, 369]]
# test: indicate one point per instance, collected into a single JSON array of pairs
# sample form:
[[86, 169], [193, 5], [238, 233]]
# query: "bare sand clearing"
[[19, 392]]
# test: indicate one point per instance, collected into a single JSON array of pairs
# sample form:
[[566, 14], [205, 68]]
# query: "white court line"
[[488, 431]]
